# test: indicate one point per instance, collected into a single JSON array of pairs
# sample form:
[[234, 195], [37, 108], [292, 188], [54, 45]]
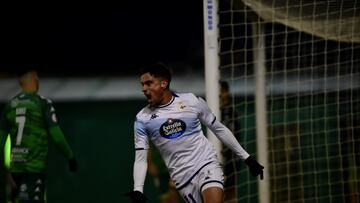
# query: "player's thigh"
[[211, 176], [190, 193], [31, 187], [213, 195], [211, 181]]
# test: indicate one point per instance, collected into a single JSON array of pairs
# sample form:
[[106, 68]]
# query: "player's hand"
[[254, 167], [137, 196], [73, 165]]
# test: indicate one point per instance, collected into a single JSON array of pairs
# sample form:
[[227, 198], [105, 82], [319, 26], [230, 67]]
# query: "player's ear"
[[164, 84]]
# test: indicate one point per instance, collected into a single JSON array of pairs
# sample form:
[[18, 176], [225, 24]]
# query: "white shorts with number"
[[209, 176]]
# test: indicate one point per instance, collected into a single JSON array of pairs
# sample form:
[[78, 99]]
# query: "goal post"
[[211, 50], [260, 108]]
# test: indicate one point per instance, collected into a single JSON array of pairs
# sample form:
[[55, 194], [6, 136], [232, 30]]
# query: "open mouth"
[[148, 96]]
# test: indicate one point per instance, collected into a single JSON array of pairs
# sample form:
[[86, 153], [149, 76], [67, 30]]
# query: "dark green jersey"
[[29, 120]]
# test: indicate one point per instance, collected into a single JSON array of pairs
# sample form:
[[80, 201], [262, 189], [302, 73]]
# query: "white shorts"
[[209, 176]]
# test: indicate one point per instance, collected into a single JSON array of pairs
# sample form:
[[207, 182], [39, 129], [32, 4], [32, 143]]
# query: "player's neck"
[[167, 97]]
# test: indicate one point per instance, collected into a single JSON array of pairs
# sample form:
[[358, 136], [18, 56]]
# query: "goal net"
[[311, 57]]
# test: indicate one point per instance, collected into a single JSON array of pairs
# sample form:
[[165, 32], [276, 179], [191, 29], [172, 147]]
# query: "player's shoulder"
[[189, 98], [186, 96], [45, 99], [11, 103], [24, 98], [143, 113]]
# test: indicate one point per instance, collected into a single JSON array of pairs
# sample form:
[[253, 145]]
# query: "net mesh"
[[312, 62]]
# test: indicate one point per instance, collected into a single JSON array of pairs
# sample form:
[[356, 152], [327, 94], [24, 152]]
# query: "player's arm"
[[139, 174], [63, 146], [140, 169], [140, 163], [57, 135], [227, 137]]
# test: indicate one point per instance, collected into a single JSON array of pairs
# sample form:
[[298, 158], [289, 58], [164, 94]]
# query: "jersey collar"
[[168, 104]]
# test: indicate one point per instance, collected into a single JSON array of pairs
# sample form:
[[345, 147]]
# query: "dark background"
[[102, 39], [99, 40]]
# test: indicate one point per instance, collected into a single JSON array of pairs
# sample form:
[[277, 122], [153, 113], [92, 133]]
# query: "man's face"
[[224, 97], [153, 89]]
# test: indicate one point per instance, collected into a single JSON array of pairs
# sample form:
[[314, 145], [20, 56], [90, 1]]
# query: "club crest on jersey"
[[172, 128], [181, 105]]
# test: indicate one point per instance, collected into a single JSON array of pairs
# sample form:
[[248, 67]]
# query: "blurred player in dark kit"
[[231, 163], [30, 120]]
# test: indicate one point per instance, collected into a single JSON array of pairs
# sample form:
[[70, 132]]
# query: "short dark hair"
[[158, 70], [224, 85]]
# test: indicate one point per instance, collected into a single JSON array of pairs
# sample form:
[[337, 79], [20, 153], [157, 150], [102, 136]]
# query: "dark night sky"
[[106, 38]]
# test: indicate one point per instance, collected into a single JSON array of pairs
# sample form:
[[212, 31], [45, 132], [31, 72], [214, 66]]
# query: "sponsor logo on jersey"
[[23, 194], [19, 154], [172, 128], [20, 150], [23, 187], [25, 101]]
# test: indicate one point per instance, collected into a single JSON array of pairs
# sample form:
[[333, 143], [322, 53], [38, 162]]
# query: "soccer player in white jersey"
[[172, 121]]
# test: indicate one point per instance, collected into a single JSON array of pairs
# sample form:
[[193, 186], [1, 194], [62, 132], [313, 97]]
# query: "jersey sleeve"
[[141, 140], [49, 113], [206, 116], [54, 129], [60, 141], [141, 146]]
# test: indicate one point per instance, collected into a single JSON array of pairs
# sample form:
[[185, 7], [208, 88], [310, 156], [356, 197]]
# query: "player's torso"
[[28, 133], [174, 125], [175, 129]]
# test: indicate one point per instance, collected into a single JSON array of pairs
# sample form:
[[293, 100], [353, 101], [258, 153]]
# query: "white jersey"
[[175, 129]]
